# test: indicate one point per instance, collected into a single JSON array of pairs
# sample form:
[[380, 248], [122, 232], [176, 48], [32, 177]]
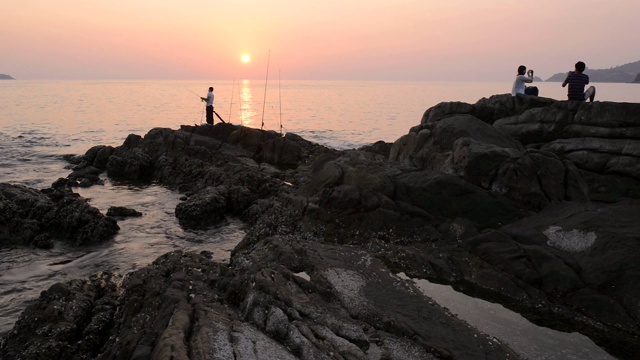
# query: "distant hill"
[[624, 73], [5, 77]]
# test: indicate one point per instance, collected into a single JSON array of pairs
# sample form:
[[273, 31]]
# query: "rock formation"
[[525, 201], [33, 217]]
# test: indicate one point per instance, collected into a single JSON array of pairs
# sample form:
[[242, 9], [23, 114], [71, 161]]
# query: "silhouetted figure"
[[577, 81], [519, 86], [209, 100]]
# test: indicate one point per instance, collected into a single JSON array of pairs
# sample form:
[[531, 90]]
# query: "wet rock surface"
[[122, 212], [525, 201], [184, 306], [30, 217]]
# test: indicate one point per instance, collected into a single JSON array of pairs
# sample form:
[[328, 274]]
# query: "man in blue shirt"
[[577, 81]]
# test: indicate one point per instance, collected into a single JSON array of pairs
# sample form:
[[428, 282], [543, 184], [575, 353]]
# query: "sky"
[[432, 40]]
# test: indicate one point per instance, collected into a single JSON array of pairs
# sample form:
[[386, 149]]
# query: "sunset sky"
[[480, 40]]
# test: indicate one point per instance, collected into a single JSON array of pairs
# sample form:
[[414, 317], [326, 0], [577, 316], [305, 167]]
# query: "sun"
[[245, 58]]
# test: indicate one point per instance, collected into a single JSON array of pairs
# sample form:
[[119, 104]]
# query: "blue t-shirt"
[[576, 82]]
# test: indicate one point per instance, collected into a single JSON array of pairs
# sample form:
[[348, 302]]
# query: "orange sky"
[[329, 39]]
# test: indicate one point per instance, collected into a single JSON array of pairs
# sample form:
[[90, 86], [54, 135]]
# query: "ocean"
[[42, 120]]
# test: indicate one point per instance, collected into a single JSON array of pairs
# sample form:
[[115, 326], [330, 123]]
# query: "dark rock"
[[486, 109], [601, 139], [280, 152], [86, 175], [122, 212], [203, 209], [73, 159], [379, 147], [32, 217], [66, 322], [98, 156], [500, 106], [450, 197], [134, 166], [182, 306]]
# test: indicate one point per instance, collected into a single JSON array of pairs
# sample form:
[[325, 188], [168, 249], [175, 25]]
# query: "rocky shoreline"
[[525, 201]]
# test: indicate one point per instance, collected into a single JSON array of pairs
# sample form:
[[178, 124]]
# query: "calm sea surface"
[[40, 121]]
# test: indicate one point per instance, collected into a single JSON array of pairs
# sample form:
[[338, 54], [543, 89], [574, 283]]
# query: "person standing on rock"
[[519, 86], [577, 81], [209, 100]]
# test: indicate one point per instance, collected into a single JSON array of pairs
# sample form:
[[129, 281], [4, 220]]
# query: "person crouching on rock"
[[519, 86], [577, 81], [209, 100]]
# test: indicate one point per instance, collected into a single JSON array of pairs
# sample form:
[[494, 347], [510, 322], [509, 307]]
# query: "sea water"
[[42, 120]]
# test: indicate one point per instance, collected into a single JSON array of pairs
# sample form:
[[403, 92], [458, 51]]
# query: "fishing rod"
[[231, 99], [280, 100], [194, 93], [265, 89], [199, 97], [202, 114]]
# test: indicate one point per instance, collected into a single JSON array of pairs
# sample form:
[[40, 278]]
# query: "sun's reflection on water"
[[247, 113]]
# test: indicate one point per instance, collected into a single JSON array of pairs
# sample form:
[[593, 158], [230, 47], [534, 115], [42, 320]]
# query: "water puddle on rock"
[[529, 340]]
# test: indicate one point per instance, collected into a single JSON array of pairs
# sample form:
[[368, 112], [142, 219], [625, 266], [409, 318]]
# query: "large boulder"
[[430, 146], [601, 139], [465, 146], [500, 106], [532, 178], [211, 205], [568, 120], [538, 125], [67, 321], [353, 196], [98, 156], [585, 257], [33, 217], [487, 109], [450, 197]]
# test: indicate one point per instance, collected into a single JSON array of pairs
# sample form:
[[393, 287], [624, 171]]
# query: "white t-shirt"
[[210, 98], [519, 84]]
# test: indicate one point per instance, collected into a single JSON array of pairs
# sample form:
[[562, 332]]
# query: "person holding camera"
[[519, 86], [577, 81]]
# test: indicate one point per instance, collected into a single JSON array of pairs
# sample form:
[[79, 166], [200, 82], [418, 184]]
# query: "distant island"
[[5, 77], [627, 73]]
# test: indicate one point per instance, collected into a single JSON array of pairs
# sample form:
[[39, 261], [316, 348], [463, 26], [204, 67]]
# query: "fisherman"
[[209, 100]]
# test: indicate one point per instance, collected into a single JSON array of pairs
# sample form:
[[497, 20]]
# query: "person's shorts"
[[590, 91]]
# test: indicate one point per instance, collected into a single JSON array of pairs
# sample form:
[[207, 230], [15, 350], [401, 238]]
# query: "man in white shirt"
[[209, 100], [519, 86]]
